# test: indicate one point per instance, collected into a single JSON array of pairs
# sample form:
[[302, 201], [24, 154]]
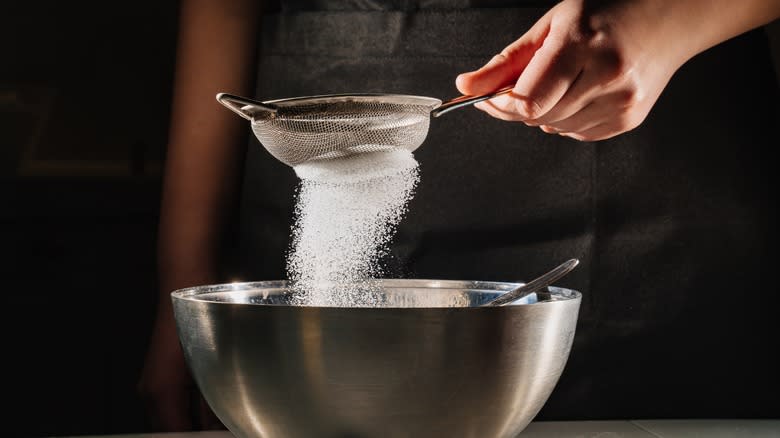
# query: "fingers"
[[600, 119], [614, 111], [551, 72], [554, 73], [577, 97], [594, 113], [600, 132], [576, 82], [489, 107], [506, 67]]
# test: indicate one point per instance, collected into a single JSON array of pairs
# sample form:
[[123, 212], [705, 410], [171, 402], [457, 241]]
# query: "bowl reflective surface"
[[428, 363]]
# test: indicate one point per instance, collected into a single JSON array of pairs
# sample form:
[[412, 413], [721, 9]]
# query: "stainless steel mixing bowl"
[[428, 364]]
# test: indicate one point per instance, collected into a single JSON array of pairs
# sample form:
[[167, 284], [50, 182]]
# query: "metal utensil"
[[462, 101], [300, 129], [535, 285], [419, 367]]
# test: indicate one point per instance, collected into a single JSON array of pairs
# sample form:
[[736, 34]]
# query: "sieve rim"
[[399, 99]]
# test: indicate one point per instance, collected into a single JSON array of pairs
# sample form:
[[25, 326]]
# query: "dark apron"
[[673, 222]]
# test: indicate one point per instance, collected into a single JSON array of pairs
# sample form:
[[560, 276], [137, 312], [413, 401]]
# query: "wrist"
[[678, 30], [654, 31]]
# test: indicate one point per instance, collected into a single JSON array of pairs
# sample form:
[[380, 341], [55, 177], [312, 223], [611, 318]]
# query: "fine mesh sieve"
[[301, 129]]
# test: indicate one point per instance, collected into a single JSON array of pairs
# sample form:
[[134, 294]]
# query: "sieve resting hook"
[[246, 108]]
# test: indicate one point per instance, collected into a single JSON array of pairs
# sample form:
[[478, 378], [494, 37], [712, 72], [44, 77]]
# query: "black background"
[[84, 97]]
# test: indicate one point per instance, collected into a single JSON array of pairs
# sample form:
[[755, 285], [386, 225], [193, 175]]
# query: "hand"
[[173, 402], [582, 72]]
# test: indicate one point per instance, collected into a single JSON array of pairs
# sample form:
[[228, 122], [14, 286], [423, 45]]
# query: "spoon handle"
[[462, 101], [533, 286]]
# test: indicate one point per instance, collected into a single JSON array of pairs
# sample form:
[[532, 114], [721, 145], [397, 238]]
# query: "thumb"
[[506, 67]]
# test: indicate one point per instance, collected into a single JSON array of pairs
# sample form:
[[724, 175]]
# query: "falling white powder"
[[346, 214]]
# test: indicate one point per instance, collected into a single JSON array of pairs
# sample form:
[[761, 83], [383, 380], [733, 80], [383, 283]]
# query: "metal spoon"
[[533, 286]]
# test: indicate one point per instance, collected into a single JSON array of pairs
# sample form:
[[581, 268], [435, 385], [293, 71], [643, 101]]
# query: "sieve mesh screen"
[[337, 127]]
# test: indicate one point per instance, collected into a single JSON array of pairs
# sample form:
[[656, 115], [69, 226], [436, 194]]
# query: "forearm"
[[684, 28], [711, 22], [215, 53]]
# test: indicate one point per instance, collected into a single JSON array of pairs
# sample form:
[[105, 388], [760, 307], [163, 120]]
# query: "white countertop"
[[589, 429]]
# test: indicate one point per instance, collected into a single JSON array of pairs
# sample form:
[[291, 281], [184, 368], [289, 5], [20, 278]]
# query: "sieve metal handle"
[[244, 107], [462, 101]]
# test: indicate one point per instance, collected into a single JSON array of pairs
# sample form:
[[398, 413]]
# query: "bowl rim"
[[192, 293]]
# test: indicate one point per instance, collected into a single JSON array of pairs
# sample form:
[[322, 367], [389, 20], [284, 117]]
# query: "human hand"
[[173, 402], [589, 73]]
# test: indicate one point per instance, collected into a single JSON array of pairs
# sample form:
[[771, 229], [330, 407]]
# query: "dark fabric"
[[673, 222], [403, 5]]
